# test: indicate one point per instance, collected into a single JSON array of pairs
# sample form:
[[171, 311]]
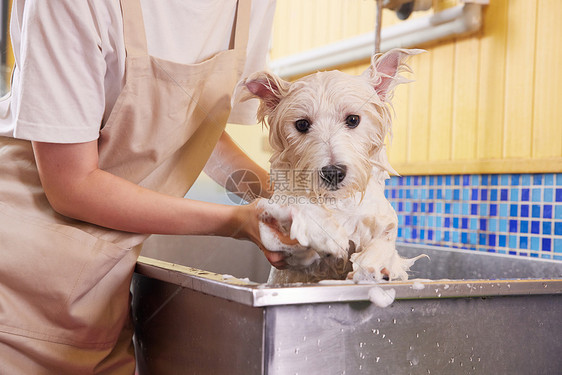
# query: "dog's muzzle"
[[333, 175]]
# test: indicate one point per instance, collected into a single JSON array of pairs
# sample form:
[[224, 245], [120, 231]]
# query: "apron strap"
[[242, 31], [133, 28]]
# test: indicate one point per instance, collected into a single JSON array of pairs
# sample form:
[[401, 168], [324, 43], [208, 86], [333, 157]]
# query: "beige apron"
[[64, 284]]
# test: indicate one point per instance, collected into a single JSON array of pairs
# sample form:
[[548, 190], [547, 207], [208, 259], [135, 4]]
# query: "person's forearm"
[[77, 188], [228, 158], [110, 201]]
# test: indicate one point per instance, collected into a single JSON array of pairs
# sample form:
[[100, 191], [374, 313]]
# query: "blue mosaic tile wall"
[[517, 214]]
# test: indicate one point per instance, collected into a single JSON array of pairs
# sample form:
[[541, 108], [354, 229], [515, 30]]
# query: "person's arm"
[[77, 188], [228, 158]]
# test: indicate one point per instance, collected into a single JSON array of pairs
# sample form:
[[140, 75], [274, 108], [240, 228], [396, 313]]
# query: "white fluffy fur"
[[355, 221]]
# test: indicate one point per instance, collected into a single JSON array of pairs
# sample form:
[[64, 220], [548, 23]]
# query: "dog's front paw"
[[312, 228], [274, 215], [380, 261], [300, 256]]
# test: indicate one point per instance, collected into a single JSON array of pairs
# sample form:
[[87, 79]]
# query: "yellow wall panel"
[[252, 139], [366, 16], [281, 37], [319, 19], [441, 105], [519, 89], [398, 148], [492, 81], [419, 105], [465, 99], [305, 32], [547, 120]]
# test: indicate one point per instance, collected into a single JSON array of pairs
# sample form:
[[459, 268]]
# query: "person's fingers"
[[276, 258], [284, 238]]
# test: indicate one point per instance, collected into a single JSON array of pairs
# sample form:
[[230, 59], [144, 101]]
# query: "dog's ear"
[[385, 69], [267, 87]]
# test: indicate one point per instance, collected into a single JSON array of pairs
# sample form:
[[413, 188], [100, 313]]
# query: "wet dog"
[[328, 169]]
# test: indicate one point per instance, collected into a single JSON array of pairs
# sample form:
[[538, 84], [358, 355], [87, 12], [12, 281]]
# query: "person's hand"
[[249, 229]]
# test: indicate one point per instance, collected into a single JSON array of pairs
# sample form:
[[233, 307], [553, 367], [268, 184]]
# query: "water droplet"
[[394, 321], [412, 309], [378, 359], [296, 350], [437, 344]]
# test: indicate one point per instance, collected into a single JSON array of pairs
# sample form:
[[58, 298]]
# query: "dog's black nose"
[[333, 175]]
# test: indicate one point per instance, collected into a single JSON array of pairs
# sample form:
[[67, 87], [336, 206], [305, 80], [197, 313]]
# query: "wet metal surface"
[[491, 314]]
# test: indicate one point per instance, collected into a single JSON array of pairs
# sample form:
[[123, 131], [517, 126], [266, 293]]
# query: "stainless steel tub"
[[480, 314]]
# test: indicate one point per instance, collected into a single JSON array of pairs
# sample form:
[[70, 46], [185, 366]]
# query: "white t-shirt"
[[70, 57]]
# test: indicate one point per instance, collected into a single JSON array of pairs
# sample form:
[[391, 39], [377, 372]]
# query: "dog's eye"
[[302, 125], [352, 121]]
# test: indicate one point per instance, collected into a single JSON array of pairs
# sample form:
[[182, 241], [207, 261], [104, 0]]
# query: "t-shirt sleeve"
[[59, 73]]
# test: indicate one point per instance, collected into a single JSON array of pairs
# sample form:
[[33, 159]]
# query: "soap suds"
[[382, 297]]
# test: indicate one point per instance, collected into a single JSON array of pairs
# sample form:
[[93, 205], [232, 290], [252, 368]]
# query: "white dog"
[[329, 168]]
